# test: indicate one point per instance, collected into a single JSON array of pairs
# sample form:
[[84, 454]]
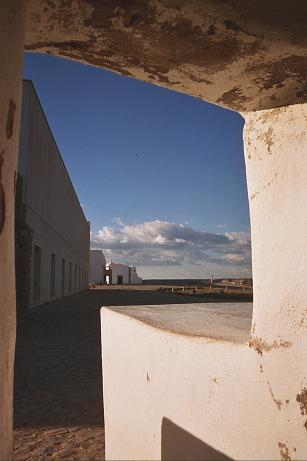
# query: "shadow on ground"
[[58, 357]]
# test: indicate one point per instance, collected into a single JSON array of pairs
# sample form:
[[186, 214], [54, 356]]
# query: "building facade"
[[52, 233], [120, 274], [97, 267]]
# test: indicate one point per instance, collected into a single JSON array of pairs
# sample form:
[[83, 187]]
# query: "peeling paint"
[[260, 345], [195, 41], [277, 74], [233, 98], [284, 452], [10, 119], [302, 400], [268, 137]]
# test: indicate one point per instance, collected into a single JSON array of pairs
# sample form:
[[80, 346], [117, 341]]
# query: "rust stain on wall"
[[279, 403], [284, 452], [268, 138], [272, 115], [10, 119], [260, 345], [302, 400]]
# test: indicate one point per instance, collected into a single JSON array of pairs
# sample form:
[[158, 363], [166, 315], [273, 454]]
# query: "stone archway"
[[248, 56]]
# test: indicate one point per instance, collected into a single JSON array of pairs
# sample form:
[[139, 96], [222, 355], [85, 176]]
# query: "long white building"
[[52, 233]]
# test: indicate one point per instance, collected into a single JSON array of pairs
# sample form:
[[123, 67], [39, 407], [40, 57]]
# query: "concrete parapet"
[[181, 396]]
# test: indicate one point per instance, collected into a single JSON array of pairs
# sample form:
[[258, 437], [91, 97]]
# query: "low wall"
[[186, 397]]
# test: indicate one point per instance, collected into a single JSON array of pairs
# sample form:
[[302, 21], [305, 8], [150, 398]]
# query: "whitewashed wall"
[[118, 270]]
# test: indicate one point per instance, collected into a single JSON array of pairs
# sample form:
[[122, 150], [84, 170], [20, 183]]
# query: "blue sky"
[[160, 175]]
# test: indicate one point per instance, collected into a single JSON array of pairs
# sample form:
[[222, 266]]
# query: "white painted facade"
[[61, 233], [120, 274], [97, 266]]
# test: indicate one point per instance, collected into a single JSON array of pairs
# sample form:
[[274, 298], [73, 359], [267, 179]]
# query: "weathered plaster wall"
[[275, 144], [245, 55], [11, 50], [175, 396]]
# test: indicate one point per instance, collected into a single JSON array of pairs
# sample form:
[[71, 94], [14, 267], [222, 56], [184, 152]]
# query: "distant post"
[[211, 282]]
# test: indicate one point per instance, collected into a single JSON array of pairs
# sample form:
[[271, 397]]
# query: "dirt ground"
[[58, 407]]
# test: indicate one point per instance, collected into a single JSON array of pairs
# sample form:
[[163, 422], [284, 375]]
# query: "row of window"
[[77, 276]]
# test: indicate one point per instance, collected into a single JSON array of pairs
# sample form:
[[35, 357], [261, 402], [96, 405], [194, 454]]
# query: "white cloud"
[[234, 258], [118, 220], [162, 243]]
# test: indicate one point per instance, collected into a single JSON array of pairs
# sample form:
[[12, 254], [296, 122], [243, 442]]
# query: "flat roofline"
[[26, 80]]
